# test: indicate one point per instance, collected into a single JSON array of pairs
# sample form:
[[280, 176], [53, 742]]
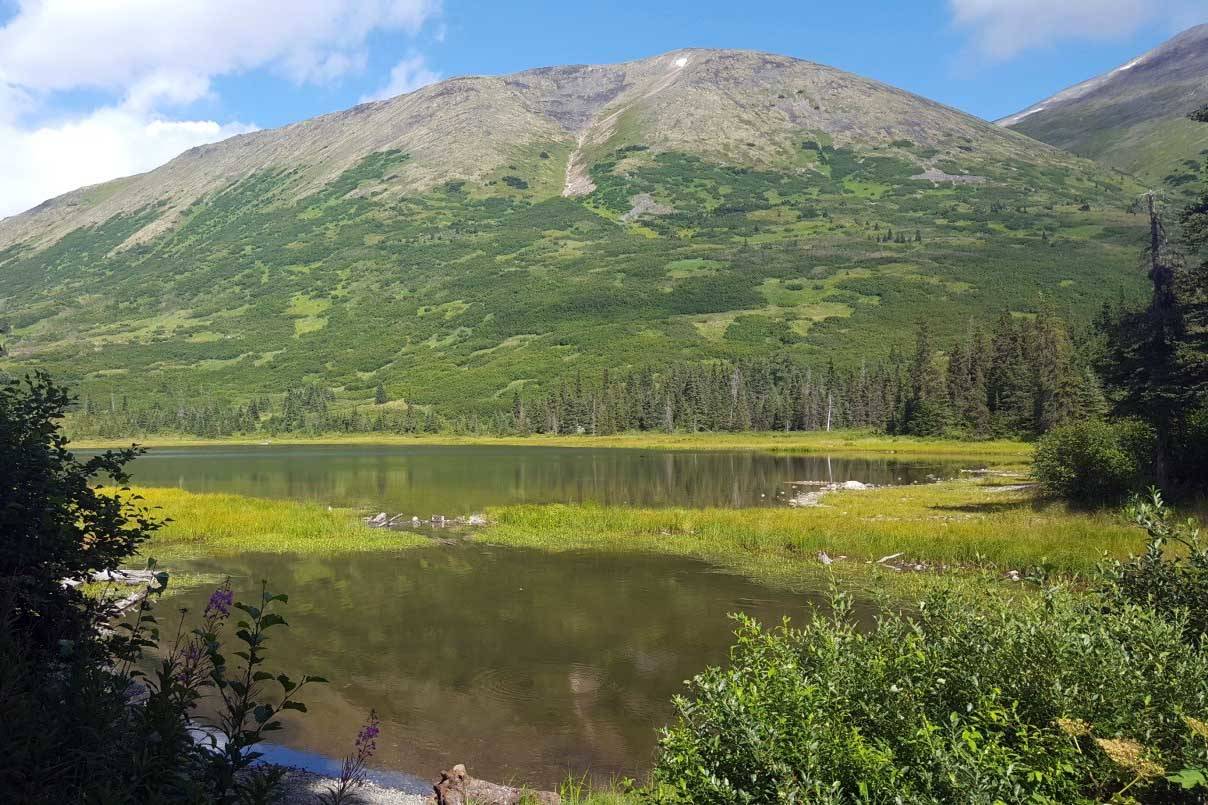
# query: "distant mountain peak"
[[1131, 117]]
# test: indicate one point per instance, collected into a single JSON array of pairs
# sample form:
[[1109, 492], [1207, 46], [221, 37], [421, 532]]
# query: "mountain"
[[486, 235], [1135, 117]]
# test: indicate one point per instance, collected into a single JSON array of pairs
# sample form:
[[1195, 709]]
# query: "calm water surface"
[[425, 480], [524, 665]]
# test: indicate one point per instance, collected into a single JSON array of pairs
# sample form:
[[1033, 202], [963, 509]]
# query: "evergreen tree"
[[925, 412], [1154, 362]]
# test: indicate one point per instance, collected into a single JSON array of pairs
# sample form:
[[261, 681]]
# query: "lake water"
[[523, 665], [451, 480]]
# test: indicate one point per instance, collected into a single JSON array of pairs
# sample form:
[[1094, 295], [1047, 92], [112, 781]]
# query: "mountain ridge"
[[453, 105], [1131, 117], [484, 237]]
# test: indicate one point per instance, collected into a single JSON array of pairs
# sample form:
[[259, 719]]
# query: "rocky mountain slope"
[[741, 107], [486, 235], [1134, 117]]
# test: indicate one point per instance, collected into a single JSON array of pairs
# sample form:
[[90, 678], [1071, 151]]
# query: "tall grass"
[[221, 524], [957, 522], [836, 443]]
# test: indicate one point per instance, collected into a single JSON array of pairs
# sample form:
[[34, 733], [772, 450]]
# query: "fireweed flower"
[[220, 601], [366, 743], [190, 661]]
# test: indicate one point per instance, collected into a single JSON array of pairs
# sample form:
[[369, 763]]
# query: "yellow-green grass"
[[224, 525], [963, 523], [837, 443]]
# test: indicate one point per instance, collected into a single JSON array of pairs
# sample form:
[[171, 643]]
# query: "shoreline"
[[967, 524], [837, 443]]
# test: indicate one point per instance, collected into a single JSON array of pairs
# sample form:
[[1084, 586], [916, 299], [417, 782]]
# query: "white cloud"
[[407, 76], [148, 56], [64, 44], [43, 162], [1002, 29]]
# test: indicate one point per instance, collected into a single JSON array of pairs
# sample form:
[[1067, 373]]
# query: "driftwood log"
[[457, 787]]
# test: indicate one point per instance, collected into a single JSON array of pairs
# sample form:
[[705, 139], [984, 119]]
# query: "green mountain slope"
[[1135, 117], [485, 235]]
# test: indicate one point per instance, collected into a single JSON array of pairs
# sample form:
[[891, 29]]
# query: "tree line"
[[1019, 377]]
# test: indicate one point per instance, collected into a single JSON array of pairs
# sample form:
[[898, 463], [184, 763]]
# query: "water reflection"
[[521, 664], [452, 480]]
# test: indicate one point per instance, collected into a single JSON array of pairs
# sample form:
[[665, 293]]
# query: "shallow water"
[[523, 665], [526, 666], [454, 480]]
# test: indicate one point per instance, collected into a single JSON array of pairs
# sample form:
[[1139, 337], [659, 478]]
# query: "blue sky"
[[91, 90]]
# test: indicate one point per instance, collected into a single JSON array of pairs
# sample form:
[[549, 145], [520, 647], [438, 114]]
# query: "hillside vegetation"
[[486, 236]]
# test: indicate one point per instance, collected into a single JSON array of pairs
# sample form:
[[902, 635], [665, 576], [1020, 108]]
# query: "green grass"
[[836, 443], [225, 525], [966, 523]]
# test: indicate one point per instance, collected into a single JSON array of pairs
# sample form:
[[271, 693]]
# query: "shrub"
[[974, 699], [1190, 454], [71, 728], [1171, 576], [1094, 461]]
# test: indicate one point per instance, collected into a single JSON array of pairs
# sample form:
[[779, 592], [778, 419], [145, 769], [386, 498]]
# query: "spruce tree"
[[1154, 363], [925, 412]]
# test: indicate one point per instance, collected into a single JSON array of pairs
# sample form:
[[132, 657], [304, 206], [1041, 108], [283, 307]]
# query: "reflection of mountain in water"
[[459, 480], [523, 665]]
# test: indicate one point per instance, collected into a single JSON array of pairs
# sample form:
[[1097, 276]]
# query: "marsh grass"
[[223, 525], [854, 443], [964, 522]]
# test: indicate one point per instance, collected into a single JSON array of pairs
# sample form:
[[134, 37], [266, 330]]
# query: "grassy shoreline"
[[966, 524], [836, 443], [215, 525]]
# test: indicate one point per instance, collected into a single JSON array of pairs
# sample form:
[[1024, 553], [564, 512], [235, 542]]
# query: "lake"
[[525, 666], [455, 480]]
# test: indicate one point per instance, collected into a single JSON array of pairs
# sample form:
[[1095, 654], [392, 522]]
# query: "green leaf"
[[299, 706], [1189, 778]]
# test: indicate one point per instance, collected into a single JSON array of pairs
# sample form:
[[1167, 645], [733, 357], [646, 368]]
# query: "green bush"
[[69, 730], [973, 699], [1190, 454], [1171, 576], [1095, 462]]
